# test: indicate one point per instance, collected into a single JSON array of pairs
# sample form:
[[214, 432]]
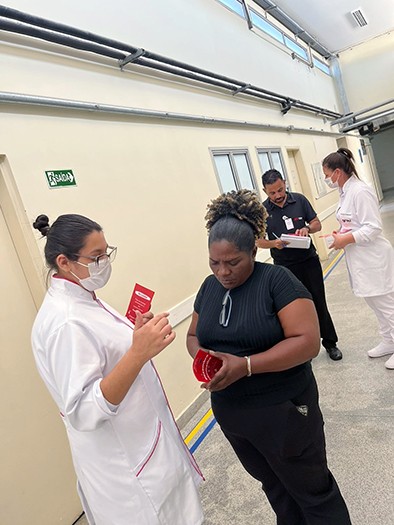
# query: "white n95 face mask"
[[99, 275], [330, 183]]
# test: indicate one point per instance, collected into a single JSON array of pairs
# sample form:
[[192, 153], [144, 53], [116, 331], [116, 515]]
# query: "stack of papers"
[[295, 241]]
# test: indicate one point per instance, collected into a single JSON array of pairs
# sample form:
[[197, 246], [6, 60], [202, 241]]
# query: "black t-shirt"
[[253, 328], [296, 212]]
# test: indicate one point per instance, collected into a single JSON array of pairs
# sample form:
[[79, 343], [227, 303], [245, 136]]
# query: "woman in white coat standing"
[[132, 465], [369, 255]]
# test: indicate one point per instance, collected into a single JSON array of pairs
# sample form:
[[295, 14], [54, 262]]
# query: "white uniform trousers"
[[383, 306]]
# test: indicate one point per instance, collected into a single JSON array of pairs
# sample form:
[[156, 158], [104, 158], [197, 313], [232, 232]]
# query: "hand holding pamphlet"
[[205, 366], [329, 238], [141, 300]]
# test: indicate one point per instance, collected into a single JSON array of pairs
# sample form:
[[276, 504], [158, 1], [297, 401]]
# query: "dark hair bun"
[[42, 224]]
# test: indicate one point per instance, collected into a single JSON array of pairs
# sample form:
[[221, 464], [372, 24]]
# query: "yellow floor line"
[[333, 262], [190, 436]]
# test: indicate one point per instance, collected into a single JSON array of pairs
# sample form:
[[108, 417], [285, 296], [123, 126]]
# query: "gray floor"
[[356, 397]]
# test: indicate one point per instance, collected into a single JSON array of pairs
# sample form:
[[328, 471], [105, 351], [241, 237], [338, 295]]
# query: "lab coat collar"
[[65, 286], [348, 184]]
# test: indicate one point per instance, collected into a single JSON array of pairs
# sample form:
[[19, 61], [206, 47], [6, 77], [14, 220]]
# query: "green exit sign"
[[59, 178]]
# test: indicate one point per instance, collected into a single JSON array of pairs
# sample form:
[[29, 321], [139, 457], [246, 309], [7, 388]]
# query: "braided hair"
[[237, 217], [343, 159]]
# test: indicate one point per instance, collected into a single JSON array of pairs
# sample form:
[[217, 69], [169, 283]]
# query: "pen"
[[283, 243]]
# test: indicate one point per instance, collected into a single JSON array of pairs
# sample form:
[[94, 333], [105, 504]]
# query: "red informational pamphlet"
[[141, 300], [205, 366]]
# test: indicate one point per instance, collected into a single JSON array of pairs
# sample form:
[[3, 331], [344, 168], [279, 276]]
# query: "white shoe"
[[381, 350], [390, 363]]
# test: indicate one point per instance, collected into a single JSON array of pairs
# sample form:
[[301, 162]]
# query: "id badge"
[[288, 222]]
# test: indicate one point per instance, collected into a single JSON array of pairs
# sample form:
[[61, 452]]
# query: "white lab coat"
[[370, 260], [132, 465]]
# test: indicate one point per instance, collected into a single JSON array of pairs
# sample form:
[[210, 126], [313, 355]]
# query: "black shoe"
[[334, 353]]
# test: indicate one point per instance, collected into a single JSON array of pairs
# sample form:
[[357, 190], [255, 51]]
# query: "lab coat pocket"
[[140, 467], [162, 469]]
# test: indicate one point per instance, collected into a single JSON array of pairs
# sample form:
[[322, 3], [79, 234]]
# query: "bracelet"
[[307, 227], [248, 366]]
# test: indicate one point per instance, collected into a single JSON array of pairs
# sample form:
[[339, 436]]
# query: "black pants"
[[311, 275], [285, 450]]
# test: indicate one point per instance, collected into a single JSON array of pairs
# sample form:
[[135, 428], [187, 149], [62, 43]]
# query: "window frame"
[[269, 151], [320, 65], [298, 48], [227, 6], [230, 152]]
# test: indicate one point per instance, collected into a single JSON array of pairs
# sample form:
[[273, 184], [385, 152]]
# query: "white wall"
[[368, 72], [201, 32]]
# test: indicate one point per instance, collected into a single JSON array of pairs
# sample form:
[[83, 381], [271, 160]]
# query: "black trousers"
[[311, 275], [283, 447]]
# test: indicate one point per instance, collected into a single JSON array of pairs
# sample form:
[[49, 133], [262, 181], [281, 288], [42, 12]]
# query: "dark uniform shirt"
[[253, 327], [294, 215]]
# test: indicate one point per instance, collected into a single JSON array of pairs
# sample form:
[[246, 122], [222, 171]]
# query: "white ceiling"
[[331, 23]]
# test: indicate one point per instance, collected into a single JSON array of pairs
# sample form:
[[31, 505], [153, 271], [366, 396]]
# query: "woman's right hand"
[[151, 337], [232, 369]]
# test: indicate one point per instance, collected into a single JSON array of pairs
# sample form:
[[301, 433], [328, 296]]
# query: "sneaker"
[[381, 350], [390, 363]]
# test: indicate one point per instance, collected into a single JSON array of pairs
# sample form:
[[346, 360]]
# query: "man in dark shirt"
[[292, 213]]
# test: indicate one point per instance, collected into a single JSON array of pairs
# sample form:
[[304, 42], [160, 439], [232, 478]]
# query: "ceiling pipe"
[[86, 41], [366, 121], [351, 116], [93, 107]]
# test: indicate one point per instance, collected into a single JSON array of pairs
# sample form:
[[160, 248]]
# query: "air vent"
[[359, 17]]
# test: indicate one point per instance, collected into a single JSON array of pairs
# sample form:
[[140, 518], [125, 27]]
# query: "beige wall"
[[147, 180], [148, 184]]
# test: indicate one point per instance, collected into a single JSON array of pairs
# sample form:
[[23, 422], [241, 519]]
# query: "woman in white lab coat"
[[369, 255], [132, 465]]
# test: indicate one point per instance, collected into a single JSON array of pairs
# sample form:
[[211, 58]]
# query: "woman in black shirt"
[[261, 322]]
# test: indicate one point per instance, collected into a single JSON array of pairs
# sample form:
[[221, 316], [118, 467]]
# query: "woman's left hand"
[[341, 240], [232, 369]]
